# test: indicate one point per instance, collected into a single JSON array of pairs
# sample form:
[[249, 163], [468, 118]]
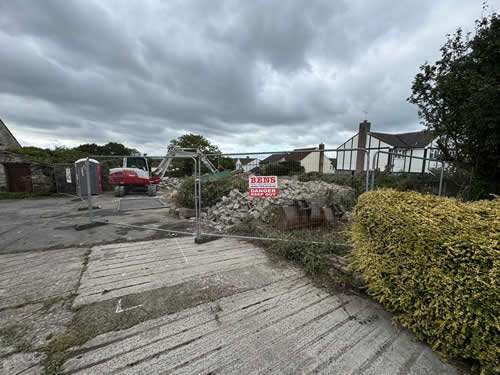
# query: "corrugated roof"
[[406, 140]]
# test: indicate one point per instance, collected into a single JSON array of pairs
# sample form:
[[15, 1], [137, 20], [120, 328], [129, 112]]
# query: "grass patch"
[[13, 336], [49, 302], [316, 250]]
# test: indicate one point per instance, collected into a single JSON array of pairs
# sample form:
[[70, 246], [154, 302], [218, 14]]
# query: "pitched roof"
[[291, 156], [298, 156], [7, 139], [245, 161], [406, 140], [273, 158]]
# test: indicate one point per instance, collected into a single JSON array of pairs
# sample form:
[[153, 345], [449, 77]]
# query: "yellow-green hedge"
[[434, 263]]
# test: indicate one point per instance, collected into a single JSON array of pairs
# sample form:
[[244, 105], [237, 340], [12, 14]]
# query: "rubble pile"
[[168, 183], [237, 207]]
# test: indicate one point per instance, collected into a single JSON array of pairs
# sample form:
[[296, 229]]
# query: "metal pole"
[[196, 206], [89, 190], [195, 190], [441, 179], [199, 196], [373, 169], [367, 154]]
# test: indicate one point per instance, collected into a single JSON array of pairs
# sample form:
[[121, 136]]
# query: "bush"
[[455, 183], [434, 263], [212, 191], [284, 168]]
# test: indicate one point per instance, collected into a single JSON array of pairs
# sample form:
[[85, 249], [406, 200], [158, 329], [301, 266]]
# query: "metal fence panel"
[[270, 195], [135, 178]]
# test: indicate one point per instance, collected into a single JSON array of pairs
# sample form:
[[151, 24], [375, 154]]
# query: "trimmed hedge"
[[434, 263]]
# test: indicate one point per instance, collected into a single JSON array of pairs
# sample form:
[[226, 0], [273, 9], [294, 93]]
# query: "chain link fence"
[[296, 195]]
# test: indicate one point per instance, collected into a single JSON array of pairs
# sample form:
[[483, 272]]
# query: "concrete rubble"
[[237, 207], [168, 183]]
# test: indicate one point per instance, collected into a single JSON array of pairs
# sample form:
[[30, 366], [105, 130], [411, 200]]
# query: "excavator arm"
[[175, 152]]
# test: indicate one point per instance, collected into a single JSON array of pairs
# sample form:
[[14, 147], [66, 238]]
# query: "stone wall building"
[[19, 174]]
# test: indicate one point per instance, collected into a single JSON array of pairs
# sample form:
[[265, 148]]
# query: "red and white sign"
[[263, 186]]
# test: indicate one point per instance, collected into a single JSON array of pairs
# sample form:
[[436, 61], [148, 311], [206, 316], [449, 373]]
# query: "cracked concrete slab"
[[287, 327], [22, 364], [35, 276], [119, 269], [276, 321], [37, 323]]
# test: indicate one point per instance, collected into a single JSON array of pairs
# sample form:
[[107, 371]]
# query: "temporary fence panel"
[[280, 195], [131, 185], [65, 178], [439, 172], [274, 195]]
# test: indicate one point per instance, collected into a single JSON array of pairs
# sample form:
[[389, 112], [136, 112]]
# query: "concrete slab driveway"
[[95, 302], [269, 318]]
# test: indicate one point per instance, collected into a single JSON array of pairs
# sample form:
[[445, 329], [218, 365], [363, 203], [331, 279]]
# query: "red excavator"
[[136, 173]]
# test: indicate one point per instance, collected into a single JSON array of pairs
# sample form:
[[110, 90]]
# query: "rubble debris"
[[237, 207], [168, 183]]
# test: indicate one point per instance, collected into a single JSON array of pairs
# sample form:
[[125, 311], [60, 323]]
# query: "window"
[[400, 153], [139, 163], [433, 153]]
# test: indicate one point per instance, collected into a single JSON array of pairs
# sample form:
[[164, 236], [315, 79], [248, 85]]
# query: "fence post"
[[89, 190], [196, 195], [441, 179], [198, 223], [367, 154]]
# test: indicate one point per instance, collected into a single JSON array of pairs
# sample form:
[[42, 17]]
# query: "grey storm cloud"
[[248, 75]]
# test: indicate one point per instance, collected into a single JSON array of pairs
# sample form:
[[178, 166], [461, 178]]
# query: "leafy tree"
[[458, 98], [195, 141], [224, 163], [111, 148], [70, 155], [185, 167]]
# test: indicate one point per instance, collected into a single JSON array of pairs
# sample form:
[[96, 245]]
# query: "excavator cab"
[[136, 162]]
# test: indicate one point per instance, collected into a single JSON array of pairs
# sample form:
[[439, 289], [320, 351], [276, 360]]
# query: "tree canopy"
[[195, 141], [70, 155], [458, 98], [185, 167]]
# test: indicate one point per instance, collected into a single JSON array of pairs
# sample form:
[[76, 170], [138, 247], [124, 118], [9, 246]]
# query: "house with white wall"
[[421, 144], [247, 164], [311, 159]]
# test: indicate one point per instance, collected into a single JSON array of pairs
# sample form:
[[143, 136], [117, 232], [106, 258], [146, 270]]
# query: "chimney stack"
[[364, 129], [321, 157]]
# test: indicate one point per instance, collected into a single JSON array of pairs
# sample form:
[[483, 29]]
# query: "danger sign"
[[263, 186]]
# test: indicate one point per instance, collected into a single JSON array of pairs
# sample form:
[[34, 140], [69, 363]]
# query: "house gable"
[[7, 139]]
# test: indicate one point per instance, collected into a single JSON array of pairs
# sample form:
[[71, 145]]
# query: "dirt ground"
[[109, 299]]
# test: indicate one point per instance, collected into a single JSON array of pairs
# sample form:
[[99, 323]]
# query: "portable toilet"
[[81, 177]]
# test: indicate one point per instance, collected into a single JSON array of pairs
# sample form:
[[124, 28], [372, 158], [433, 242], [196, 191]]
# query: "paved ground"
[[121, 269], [170, 306], [35, 224], [36, 276]]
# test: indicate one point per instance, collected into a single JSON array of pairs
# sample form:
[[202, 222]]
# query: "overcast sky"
[[248, 75]]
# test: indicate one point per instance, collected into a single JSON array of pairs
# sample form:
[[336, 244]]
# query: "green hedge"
[[434, 263]]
